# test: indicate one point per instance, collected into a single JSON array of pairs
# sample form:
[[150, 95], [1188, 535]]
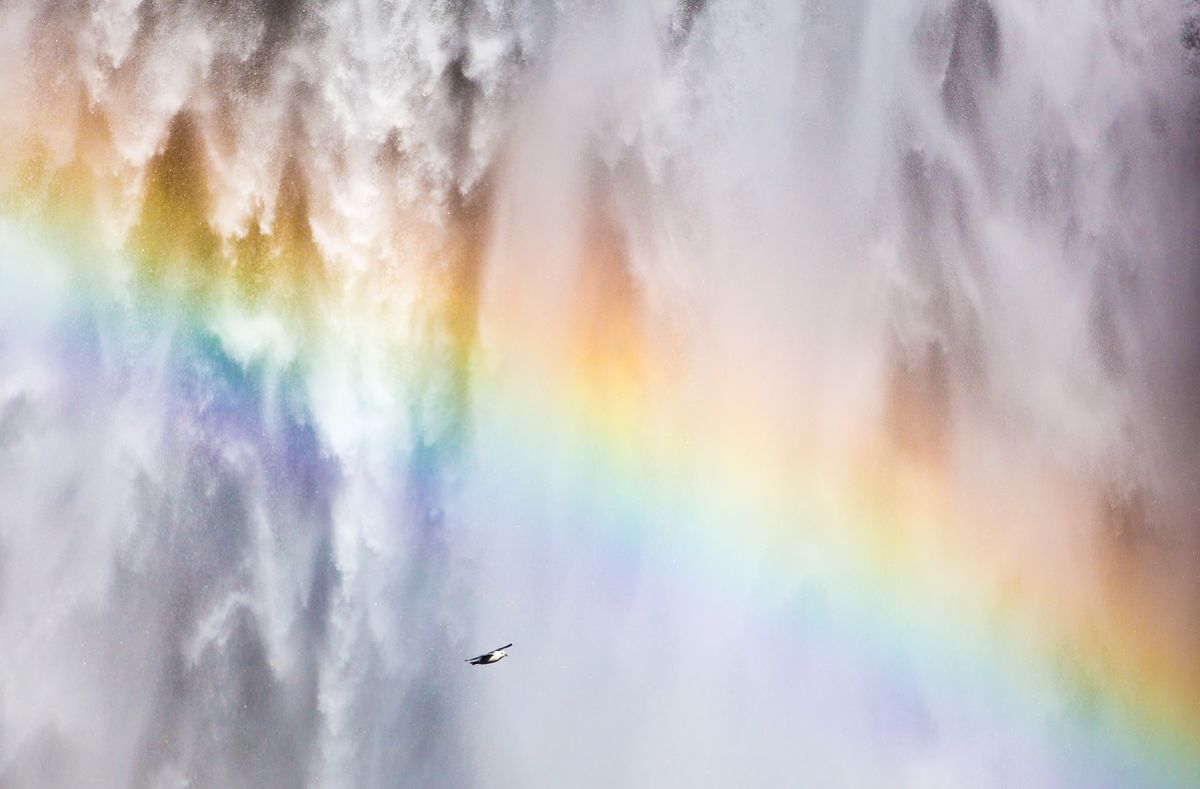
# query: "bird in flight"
[[489, 657]]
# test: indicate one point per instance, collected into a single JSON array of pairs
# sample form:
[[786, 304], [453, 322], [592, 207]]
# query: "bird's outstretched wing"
[[506, 646]]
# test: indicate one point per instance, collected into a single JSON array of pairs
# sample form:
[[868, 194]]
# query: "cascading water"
[[807, 389]]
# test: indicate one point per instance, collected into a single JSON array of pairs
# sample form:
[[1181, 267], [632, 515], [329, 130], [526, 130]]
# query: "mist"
[[806, 389]]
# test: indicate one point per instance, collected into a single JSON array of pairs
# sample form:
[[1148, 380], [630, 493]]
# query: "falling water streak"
[[262, 480]]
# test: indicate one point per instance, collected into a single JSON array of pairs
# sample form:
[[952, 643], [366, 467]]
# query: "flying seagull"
[[490, 657]]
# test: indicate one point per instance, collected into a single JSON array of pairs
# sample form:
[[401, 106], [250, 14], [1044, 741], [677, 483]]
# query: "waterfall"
[[807, 390]]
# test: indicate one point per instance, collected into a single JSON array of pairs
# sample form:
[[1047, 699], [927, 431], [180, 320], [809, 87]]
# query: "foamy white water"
[[807, 389]]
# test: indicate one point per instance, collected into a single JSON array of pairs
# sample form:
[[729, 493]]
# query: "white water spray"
[[966, 227]]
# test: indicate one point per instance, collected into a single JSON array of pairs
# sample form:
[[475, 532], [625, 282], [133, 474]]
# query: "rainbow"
[[878, 537]]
